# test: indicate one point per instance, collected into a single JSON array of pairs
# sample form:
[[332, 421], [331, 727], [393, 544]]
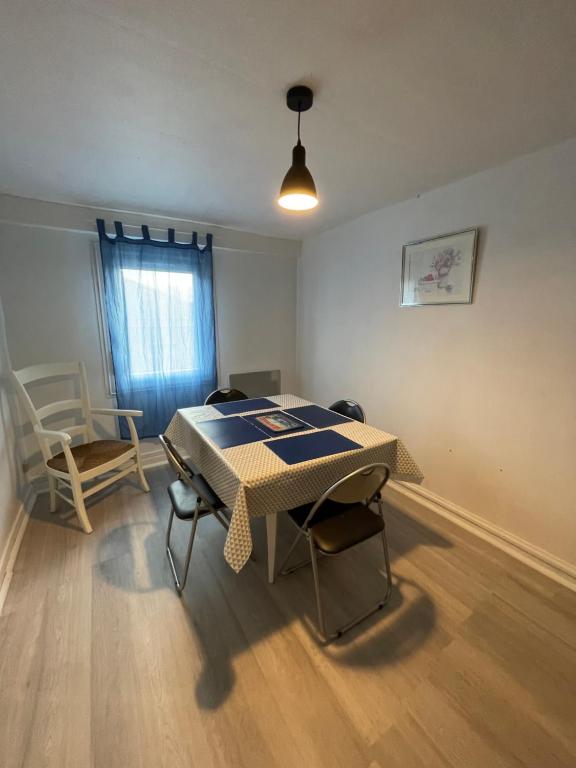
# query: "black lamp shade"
[[298, 191]]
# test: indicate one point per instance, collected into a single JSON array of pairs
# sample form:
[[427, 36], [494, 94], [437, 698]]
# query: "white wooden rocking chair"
[[79, 464]]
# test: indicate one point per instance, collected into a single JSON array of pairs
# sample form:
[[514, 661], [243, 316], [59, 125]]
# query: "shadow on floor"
[[228, 613], [65, 515]]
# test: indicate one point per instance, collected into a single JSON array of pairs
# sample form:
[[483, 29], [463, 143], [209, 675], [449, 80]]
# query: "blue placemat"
[[229, 432], [243, 406], [314, 445], [253, 419], [316, 416]]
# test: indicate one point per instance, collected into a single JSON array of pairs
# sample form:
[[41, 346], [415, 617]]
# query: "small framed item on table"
[[276, 423]]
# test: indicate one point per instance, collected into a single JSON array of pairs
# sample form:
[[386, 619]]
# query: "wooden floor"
[[102, 665]]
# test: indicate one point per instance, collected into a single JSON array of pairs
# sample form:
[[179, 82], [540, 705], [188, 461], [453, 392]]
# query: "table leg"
[[271, 534]]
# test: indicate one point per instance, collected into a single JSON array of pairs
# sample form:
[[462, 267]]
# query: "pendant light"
[[298, 191]]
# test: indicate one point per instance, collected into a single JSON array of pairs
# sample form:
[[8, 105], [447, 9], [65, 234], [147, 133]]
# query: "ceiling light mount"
[[299, 98], [298, 191]]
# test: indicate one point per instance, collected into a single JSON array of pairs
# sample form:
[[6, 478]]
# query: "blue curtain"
[[160, 309]]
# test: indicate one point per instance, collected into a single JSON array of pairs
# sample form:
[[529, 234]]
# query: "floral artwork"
[[441, 266], [439, 270]]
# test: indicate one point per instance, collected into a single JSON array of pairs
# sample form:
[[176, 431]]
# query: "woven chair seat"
[[89, 456]]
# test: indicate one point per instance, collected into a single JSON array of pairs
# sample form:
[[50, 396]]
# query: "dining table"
[[259, 472]]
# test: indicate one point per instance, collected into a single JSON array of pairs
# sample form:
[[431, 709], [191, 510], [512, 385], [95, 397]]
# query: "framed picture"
[[439, 270]]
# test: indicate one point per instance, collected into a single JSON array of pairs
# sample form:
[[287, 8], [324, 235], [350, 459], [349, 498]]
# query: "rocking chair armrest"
[[116, 412], [128, 415], [52, 434]]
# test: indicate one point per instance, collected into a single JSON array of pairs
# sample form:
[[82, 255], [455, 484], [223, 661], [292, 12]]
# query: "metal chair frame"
[[353, 404], [305, 530], [186, 475]]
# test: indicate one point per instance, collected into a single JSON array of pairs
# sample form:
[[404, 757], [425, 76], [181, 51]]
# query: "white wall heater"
[[257, 383]]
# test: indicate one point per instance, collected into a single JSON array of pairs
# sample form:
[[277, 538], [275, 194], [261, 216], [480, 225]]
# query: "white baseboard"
[[12, 547], [560, 570]]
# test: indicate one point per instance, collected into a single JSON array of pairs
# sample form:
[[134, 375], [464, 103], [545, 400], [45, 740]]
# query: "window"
[[161, 341]]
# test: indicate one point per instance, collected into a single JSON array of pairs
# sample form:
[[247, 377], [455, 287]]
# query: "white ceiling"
[[177, 107]]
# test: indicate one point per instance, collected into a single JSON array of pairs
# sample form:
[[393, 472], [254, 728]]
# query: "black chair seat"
[[326, 511], [338, 526], [184, 498], [346, 529]]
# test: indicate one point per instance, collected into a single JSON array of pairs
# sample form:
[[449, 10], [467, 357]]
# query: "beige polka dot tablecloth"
[[253, 481]]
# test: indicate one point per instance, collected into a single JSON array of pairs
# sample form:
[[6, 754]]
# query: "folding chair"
[[225, 396], [191, 498], [339, 520], [349, 408]]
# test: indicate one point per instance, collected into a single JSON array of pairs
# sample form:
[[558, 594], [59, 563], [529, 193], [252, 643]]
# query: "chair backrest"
[[174, 459], [349, 408], [225, 396], [204, 493], [360, 486], [73, 372]]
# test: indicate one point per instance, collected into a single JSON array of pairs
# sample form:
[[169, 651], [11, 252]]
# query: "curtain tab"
[[121, 237], [101, 227]]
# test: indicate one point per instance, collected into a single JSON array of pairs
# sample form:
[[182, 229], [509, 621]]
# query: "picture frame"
[[439, 270]]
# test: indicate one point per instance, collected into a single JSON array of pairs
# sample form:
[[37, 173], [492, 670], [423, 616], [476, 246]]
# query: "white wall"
[[47, 287], [11, 486], [484, 395]]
